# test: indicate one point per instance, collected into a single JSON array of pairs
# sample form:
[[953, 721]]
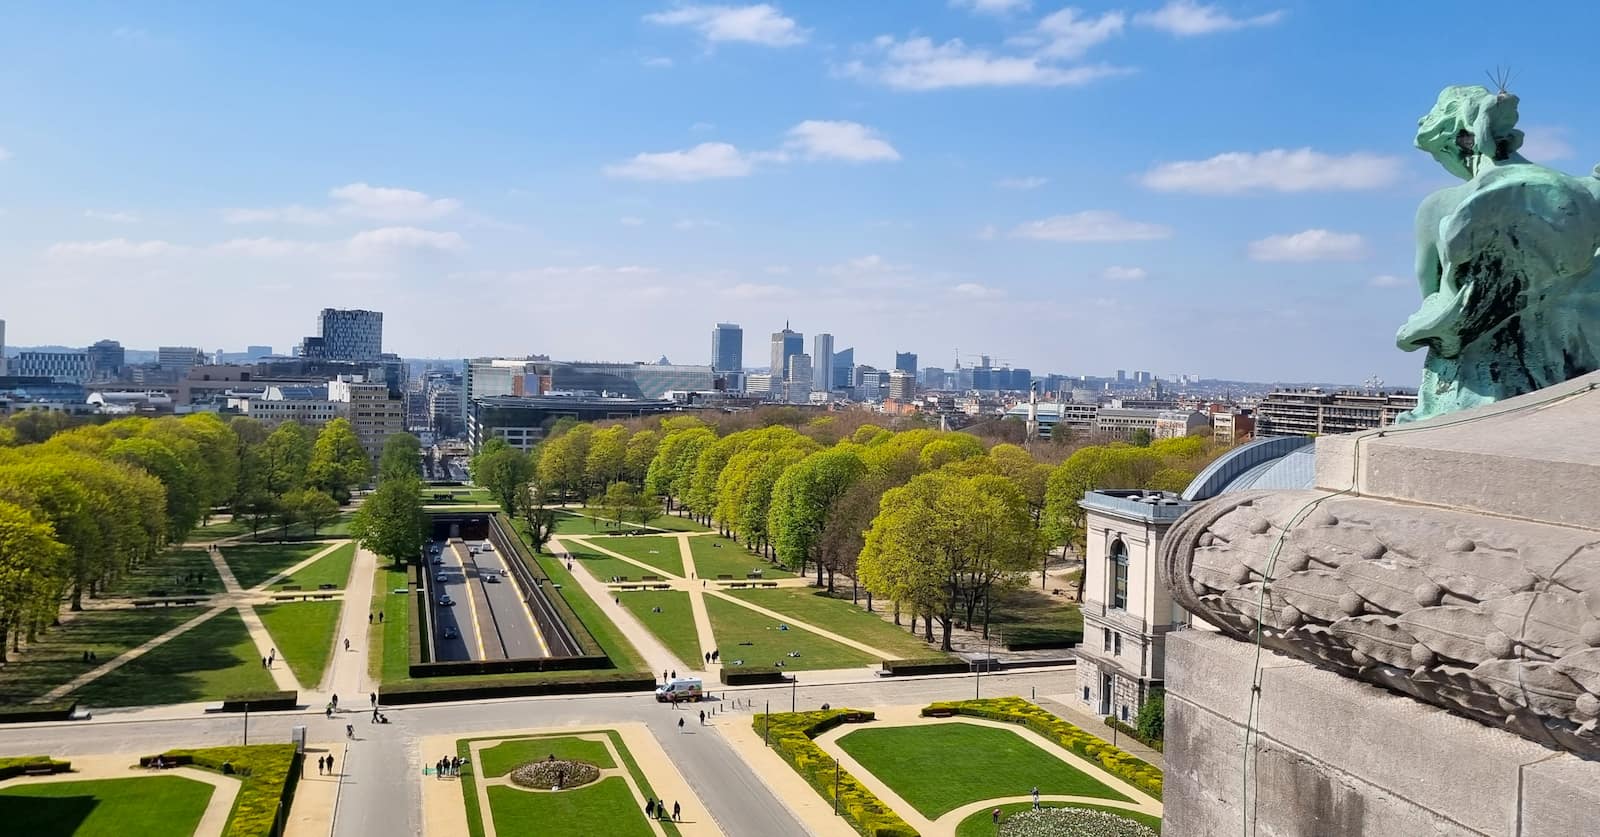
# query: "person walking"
[[374, 697], [330, 764], [263, 659], [347, 643], [272, 655], [680, 725], [321, 765], [1035, 797], [677, 812], [335, 703], [702, 717], [349, 730], [994, 817], [650, 807]]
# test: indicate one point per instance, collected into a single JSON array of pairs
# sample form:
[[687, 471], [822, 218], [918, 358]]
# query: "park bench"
[[145, 602], [941, 713], [738, 585], [753, 574], [43, 768], [327, 586], [663, 587], [157, 594], [324, 596]]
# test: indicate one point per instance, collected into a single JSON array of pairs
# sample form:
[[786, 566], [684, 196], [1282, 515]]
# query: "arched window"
[[1118, 561]]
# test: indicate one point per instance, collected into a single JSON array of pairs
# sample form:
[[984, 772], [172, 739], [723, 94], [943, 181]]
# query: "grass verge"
[[755, 638], [56, 657], [674, 625], [333, 568], [256, 563], [304, 635], [716, 555], [840, 616], [148, 806]]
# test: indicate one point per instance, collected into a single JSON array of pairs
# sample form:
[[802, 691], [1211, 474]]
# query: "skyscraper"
[[106, 359], [3, 370], [727, 348], [844, 366], [785, 344], [906, 362], [822, 363], [351, 334]]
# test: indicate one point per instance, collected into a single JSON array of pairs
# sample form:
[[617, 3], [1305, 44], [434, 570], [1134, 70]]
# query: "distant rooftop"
[[1137, 503]]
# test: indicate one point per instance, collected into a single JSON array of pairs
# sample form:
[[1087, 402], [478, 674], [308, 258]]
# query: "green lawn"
[[674, 523], [611, 640], [389, 657], [211, 661], [57, 656], [816, 607], [993, 763], [269, 532], [568, 523], [333, 568], [980, 824], [716, 555], [733, 625], [605, 807], [674, 625], [1033, 615], [503, 758], [658, 551], [176, 571], [603, 567], [256, 563], [303, 633], [151, 806]]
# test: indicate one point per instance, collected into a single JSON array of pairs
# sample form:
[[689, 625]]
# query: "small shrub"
[[790, 734], [14, 765], [267, 773], [1152, 720]]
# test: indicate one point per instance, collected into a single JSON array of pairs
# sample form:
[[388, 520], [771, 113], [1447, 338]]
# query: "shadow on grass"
[[213, 660], [57, 656], [36, 816]]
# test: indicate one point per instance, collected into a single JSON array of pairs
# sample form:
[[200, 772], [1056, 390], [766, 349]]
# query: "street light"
[[794, 688], [982, 664], [247, 723]]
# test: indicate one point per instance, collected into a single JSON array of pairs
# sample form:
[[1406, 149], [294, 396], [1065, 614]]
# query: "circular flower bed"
[[1071, 822], [547, 774]]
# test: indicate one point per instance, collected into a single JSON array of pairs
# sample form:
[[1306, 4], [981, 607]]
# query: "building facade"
[[106, 360], [1314, 412], [179, 358], [1122, 423], [63, 367], [906, 362], [903, 385], [785, 344], [844, 367], [350, 334], [372, 409], [727, 348], [1176, 424], [1127, 611], [822, 363], [523, 420]]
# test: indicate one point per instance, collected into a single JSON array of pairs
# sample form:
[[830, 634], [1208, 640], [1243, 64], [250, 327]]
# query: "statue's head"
[[1467, 121]]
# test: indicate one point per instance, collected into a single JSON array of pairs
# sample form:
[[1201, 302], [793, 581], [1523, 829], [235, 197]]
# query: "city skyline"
[[1022, 183]]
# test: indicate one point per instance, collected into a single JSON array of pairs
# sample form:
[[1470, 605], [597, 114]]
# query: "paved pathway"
[[656, 656], [1073, 712], [282, 677], [697, 606], [124, 658], [347, 671]]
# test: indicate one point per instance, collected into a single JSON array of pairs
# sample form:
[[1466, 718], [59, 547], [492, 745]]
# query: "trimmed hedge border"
[[557, 598], [60, 710], [790, 735], [17, 765], [500, 686], [932, 665], [268, 774], [747, 675], [1133, 732], [261, 701], [1137, 772]]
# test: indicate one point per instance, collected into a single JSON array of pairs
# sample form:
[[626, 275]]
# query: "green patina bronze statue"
[[1506, 261]]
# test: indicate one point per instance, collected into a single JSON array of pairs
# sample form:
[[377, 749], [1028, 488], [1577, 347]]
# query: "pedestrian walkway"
[[316, 793], [277, 663], [347, 671], [655, 654], [697, 606]]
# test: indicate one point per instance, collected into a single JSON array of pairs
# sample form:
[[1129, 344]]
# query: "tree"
[[844, 531], [286, 453], [621, 499], [257, 508], [313, 508], [801, 499], [180, 481], [646, 509], [401, 457], [1152, 720], [391, 521], [606, 460], [641, 449], [536, 513], [562, 460], [675, 458], [31, 571], [338, 462], [503, 470], [1141, 438]]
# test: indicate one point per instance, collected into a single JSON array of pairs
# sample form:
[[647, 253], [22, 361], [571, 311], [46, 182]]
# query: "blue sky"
[[1220, 189]]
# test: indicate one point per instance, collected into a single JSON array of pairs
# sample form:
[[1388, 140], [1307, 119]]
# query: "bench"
[[43, 768], [941, 713], [327, 586], [663, 587], [324, 596], [738, 585], [753, 574], [288, 587]]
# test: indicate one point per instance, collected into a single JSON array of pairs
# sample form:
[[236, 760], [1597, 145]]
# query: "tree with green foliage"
[[338, 461], [286, 454], [537, 514], [182, 486], [1141, 438], [314, 508], [641, 449], [801, 499], [1152, 720], [562, 460], [401, 457], [670, 471], [621, 499], [257, 509], [32, 571], [503, 470], [646, 509], [391, 521], [607, 459]]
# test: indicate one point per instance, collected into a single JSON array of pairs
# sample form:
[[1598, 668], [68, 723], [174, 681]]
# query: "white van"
[[683, 688]]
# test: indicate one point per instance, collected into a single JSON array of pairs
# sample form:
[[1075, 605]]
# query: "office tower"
[[106, 359], [3, 370], [902, 385], [179, 358], [785, 344], [822, 363], [906, 362], [844, 365], [350, 334], [1122, 376], [256, 352], [62, 367], [727, 348]]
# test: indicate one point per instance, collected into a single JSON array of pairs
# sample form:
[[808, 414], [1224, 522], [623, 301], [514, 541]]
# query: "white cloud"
[[4, 154], [1386, 280], [267, 248], [630, 221], [920, 64], [1277, 170], [389, 204], [657, 63], [973, 290], [993, 7], [1310, 246], [1091, 225], [294, 214], [706, 161], [388, 242], [1539, 143], [1021, 184], [114, 248], [1117, 273], [1066, 35], [820, 139], [1186, 18], [696, 224], [113, 217], [760, 24]]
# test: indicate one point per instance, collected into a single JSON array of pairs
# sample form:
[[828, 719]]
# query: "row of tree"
[[391, 521]]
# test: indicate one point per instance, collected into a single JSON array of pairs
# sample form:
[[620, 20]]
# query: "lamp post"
[[766, 724], [836, 787], [794, 696], [982, 664], [247, 723]]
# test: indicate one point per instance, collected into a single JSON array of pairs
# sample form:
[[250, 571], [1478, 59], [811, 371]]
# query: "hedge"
[[1141, 774], [505, 685], [14, 765], [746, 675], [790, 735], [261, 701], [31, 712], [267, 777], [1131, 732], [927, 665]]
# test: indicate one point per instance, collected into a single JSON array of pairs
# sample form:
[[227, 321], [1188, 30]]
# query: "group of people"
[[325, 765], [90, 657], [449, 766], [272, 657], [713, 656], [658, 808], [369, 619]]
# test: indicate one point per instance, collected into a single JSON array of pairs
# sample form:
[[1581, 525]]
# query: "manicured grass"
[[674, 523], [980, 824], [333, 568], [716, 555], [152, 806], [611, 640], [992, 763], [568, 523], [603, 567], [270, 532], [210, 661], [658, 551], [57, 656], [175, 572], [816, 607], [389, 657], [256, 563], [606, 807], [1033, 615], [674, 625], [503, 758], [733, 625], [304, 635]]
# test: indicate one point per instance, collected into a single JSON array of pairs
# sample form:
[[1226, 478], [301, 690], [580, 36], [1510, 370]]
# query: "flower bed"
[[1070, 822], [1137, 772], [554, 773], [790, 734]]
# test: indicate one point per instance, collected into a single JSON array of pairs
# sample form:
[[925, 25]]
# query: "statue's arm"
[[1429, 269]]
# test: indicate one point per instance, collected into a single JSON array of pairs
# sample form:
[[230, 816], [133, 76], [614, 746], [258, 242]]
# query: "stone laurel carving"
[[1495, 619]]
